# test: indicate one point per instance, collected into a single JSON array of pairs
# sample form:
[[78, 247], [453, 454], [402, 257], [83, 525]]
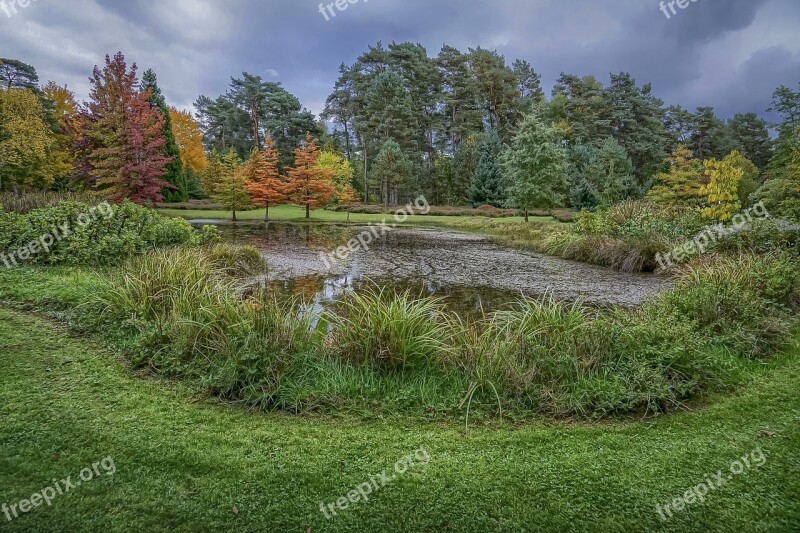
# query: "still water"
[[470, 272]]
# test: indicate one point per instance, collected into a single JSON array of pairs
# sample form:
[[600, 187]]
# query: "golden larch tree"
[[309, 185]]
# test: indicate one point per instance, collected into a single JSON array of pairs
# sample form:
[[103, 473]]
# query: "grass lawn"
[[188, 463], [289, 213]]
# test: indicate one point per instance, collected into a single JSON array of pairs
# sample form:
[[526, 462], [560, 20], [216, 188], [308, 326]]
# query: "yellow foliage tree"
[[682, 184], [190, 140], [722, 190], [342, 175], [27, 144]]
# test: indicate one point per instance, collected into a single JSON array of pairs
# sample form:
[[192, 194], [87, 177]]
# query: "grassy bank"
[[184, 463], [178, 311], [288, 213]]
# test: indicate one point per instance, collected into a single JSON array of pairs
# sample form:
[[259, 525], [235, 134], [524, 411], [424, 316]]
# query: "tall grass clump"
[[392, 332], [189, 319]]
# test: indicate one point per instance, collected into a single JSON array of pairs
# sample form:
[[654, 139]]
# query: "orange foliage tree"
[[264, 182], [309, 185]]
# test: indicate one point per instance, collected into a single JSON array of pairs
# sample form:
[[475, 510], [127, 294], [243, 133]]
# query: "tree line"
[[462, 128]]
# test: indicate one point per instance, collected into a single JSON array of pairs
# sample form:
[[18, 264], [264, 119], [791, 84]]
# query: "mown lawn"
[[187, 463], [289, 213]]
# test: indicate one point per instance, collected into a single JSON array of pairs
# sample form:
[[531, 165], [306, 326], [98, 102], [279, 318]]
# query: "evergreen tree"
[[174, 171], [392, 171], [636, 119], [536, 167], [750, 135], [15, 74], [488, 185], [465, 164], [710, 138]]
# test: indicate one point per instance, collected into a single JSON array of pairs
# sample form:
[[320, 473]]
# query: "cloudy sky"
[[730, 54]]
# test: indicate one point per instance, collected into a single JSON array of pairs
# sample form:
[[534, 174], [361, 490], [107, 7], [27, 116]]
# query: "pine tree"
[[264, 182], [536, 166], [308, 184], [392, 170], [488, 184], [174, 171]]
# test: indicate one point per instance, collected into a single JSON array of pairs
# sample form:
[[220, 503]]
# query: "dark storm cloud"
[[730, 54]]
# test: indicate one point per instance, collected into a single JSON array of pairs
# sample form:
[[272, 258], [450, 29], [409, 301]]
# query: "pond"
[[470, 272]]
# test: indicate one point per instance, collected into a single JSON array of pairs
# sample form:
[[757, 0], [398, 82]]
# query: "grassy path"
[[183, 463]]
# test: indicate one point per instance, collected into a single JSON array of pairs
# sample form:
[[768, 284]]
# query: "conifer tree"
[[309, 185], [536, 167], [264, 182], [174, 171]]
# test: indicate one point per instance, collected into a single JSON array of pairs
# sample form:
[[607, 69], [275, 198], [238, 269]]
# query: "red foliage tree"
[[125, 136], [309, 185], [264, 182]]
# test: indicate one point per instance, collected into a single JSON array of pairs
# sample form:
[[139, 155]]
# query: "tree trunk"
[[308, 210], [526, 215], [366, 179], [234, 216], [266, 213]]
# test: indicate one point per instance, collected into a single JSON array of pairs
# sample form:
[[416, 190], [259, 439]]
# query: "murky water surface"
[[469, 271]]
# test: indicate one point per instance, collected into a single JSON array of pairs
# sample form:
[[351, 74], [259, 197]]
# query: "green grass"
[[288, 213], [183, 462]]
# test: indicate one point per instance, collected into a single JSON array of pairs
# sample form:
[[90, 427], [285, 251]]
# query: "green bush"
[[79, 233]]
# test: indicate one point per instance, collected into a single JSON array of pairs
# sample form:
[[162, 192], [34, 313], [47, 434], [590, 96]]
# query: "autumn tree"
[[308, 184], [343, 174], [174, 170], [189, 138], [264, 182], [721, 190], [127, 156], [681, 184], [231, 190], [26, 141]]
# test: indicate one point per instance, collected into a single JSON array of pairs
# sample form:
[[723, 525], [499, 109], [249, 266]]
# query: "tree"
[[465, 164], [15, 74], [721, 190], [636, 119], [26, 142], [343, 174], [392, 170], [174, 171], [750, 135], [750, 181], [308, 184], [710, 138], [536, 166], [781, 193], [682, 184], [264, 182], [231, 190], [529, 85], [601, 176], [189, 139], [213, 173], [488, 183], [126, 136]]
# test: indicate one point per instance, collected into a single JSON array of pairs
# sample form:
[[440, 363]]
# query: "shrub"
[[97, 235]]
